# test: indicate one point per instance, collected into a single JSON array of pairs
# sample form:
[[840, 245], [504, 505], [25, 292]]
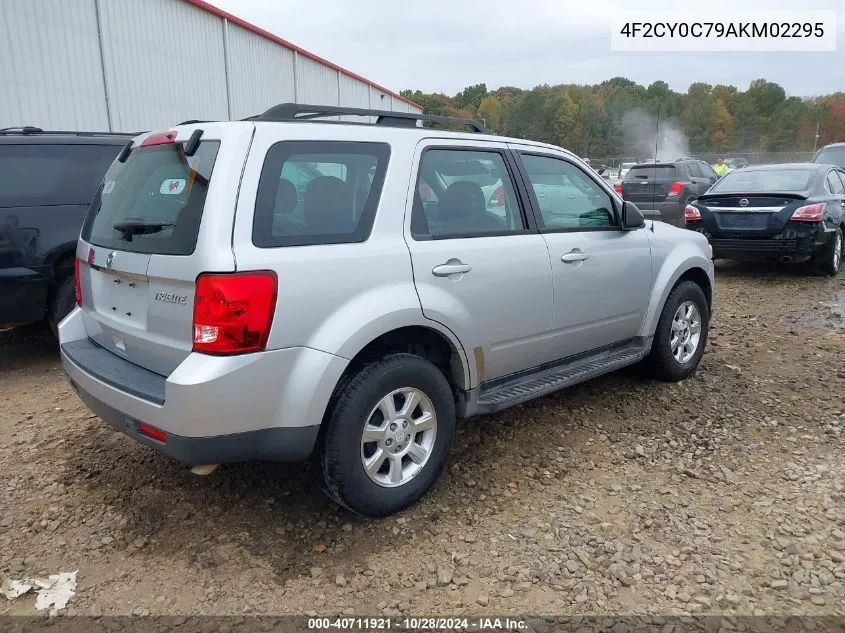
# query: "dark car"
[[736, 163], [662, 190], [786, 213], [831, 154], [47, 181]]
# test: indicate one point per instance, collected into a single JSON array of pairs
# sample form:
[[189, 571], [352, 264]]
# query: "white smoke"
[[648, 138]]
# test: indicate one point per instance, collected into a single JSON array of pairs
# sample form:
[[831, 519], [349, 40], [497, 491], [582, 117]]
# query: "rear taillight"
[[233, 312], [810, 213], [618, 187], [497, 199], [77, 282], [691, 214], [676, 189]]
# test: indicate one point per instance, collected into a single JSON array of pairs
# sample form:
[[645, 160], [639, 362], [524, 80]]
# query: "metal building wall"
[[50, 69], [133, 65], [260, 72]]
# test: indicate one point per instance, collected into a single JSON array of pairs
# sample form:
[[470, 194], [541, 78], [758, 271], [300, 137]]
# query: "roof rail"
[[305, 112], [28, 129]]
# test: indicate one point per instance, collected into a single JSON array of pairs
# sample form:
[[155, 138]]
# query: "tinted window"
[[707, 171], [831, 156], [694, 170], [38, 174], [464, 193], [318, 192], [568, 198], [153, 202], [834, 184], [645, 172], [749, 181]]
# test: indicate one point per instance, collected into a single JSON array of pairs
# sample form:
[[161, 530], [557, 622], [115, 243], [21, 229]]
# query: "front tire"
[[388, 433], [830, 259], [681, 333]]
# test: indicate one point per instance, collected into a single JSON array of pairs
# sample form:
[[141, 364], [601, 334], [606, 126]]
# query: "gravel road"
[[723, 494]]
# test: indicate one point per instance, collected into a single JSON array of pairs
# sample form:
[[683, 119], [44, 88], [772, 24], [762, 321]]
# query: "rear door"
[[648, 183], [158, 220], [482, 273]]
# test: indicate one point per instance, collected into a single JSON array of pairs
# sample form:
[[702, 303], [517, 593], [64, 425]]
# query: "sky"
[[445, 45]]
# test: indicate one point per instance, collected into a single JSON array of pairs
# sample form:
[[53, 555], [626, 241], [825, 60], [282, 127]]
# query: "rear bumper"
[[214, 409], [23, 295], [669, 212], [797, 249]]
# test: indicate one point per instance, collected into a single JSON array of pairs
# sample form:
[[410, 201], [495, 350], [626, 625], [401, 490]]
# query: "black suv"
[[47, 181], [831, 154], [662, 190]]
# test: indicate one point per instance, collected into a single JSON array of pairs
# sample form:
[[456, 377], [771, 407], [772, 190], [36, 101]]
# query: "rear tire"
[[64, 299], [394, 401], [830, 259], [681, 333]]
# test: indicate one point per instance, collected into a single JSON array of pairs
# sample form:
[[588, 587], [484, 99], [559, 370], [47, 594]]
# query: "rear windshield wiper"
[[129, 228]]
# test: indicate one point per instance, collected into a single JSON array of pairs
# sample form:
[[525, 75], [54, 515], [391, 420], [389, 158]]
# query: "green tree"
[[490, 110], [471, 96]]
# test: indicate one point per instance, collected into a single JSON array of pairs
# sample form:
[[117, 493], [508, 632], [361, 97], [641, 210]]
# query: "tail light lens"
[[691, 214], [77, 282], [159, 138], [152, 432], [810, 213], [233, 312], [497, 199], [676, 189], [618, 187]]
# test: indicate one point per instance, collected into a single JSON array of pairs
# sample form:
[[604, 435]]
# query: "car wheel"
[[388, 433], [64, 299], [830, 260], [681, 333]]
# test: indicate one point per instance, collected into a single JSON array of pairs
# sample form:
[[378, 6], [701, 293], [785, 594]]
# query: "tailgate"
[[159, 219], [648, 183], [750, 215]]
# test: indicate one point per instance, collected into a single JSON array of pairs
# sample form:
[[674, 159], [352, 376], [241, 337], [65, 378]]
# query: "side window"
[[841, 175], [568, 198], [834, 184], [318, 192], [464, 193], [695, 170], [707, 171]]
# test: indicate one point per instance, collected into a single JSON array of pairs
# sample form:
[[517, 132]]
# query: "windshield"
[[765, 181], [153, 202], [831, 156], [649, 172]]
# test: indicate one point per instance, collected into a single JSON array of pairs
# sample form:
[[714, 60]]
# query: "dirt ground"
[[722, 494]]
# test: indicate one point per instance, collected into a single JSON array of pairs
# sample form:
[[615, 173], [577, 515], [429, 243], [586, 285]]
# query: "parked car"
[[624, 168], [47, 181], [786, 213], [662, 190], [831, 154], [220, 318], [736, 163]]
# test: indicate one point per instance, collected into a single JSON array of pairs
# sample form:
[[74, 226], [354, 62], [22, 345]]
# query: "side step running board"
[[548, 381]]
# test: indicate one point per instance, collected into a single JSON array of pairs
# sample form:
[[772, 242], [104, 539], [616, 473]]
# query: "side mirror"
[[632, 218]]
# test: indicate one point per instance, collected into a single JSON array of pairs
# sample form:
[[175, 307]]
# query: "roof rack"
[[305, 112], [29, 129]]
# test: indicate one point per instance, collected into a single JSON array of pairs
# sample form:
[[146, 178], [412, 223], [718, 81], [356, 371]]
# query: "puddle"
[[828, 316]]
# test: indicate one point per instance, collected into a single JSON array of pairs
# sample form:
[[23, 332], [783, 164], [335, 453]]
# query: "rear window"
[[831, 156], [744, 181], [318, 192], [647, 172], [39, 174], [153, 202]]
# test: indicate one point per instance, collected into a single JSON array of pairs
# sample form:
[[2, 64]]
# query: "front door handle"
[[574, 256], [452, 267]]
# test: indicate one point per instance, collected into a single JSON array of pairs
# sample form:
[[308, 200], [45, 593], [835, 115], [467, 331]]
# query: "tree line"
[[590, 120]]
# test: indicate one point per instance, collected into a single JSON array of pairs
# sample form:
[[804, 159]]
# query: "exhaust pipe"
[[786, 259], [204, 469]]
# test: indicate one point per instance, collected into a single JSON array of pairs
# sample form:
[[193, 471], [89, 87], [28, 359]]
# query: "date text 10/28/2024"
[[417, 624]]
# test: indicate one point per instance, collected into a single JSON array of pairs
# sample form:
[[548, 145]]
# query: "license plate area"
[[743, 221], [122, 297]]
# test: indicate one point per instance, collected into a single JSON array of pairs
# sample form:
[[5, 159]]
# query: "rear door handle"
[[444, 270], [571, 258]]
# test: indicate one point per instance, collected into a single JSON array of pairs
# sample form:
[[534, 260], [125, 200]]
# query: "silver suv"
[[280, 286]]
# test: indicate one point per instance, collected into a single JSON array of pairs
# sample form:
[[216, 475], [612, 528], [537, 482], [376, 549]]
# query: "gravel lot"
[[723, 494]]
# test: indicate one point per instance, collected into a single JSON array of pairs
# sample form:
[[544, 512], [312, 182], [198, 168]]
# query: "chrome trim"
[[745, 209], [119, 273]]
